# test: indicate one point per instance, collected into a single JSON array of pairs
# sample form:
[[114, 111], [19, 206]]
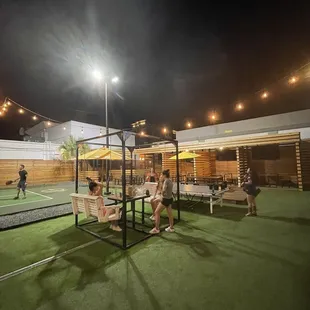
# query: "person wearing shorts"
[[22, 183], [250, 189], [166, 202]]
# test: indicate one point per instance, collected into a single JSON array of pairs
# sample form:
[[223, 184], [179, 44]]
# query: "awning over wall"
[[231, 142]]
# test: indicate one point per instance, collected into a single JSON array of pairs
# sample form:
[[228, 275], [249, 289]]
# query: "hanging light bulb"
[[48, 123], [5, 105], [21, 111], [64, 128], [239, 106], [1, 113], [265, 95], [142, 133], [34, 117], [4, 109], [293, 80], [8, 102]]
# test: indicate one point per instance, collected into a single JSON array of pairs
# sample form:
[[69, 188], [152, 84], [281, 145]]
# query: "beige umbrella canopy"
[[185, 155]]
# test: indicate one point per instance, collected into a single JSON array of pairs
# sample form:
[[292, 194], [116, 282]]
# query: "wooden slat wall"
[[286, 164], [202, 164], [39, 171], [169, 164], [305, 163], [226, 167]]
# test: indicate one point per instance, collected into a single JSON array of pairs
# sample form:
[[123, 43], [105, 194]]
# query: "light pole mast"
[[107, 138]]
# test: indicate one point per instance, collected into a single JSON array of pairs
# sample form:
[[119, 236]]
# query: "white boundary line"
[[45, 261], [54, 190], [22, 203], [39, 194]]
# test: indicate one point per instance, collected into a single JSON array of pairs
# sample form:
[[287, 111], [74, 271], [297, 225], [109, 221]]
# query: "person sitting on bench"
[[95, 189], [157, 198]]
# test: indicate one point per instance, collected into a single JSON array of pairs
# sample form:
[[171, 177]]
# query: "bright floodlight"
[[115, 79], [97, 75]]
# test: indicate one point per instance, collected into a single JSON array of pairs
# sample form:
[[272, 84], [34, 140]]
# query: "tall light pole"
[[98, 76]]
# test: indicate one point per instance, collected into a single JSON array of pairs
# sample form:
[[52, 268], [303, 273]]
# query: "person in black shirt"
[[22, 181]]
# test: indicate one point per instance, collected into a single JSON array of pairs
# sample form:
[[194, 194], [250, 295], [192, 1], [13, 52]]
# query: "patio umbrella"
[[114, 155], [185, 155], [95, 154]]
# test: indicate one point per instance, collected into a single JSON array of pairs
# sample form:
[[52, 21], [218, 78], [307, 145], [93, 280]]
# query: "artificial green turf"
[[223, 261]]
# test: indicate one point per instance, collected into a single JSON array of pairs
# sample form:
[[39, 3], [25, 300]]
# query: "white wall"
[[271, 124], [10, 149], [79, 130]]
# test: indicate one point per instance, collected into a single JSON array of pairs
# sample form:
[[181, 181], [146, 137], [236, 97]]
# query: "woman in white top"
[[157, 198]]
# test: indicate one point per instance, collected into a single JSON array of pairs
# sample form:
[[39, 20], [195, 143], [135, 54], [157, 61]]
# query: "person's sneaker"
[[154, 231], [152, 218], [16, 197], [249, 214], [24, 197], [116, 228], [169, 229]]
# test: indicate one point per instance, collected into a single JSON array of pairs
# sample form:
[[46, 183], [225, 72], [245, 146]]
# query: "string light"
[[5, 105], [239, 106], [142, 133], [265, 95], [34, 117], [1, 113], [293, 80], [189, 125], [48, 123], [8, 102], [4, 108], [165, 130], [21, 111], [65, 128]]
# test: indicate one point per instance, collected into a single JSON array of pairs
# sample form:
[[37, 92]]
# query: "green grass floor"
[[223, 261]]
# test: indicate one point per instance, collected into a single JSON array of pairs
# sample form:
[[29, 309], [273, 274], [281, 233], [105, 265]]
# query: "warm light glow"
[[213, 117], [5, 105], [9, 103], [34, 118], [1, 113], [97, 75], [189, 125], [142, 133], [65, 128], [265, 95], [293, 80], [165, 130], [4, 109], [48, 123], [186, 150], [21, 111], [115, 79], [239, 106], [221, 148]]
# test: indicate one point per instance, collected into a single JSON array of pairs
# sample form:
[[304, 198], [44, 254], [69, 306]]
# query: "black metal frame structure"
[[123, 136]]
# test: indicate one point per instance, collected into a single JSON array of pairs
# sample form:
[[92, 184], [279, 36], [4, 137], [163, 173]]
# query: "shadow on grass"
[[88, 261], [198, 246], [225, 212], [131, 265], [295, 220]]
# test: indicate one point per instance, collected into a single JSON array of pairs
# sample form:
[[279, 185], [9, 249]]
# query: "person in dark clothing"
[[22, 181], [250, 189]]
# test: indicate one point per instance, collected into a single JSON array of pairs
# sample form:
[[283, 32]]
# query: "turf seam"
[[45, 261]]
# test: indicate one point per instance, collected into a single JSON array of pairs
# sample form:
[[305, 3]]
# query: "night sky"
[[177, 60]]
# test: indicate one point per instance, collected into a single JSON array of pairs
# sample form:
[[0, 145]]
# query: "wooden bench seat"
[[94, 206]]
